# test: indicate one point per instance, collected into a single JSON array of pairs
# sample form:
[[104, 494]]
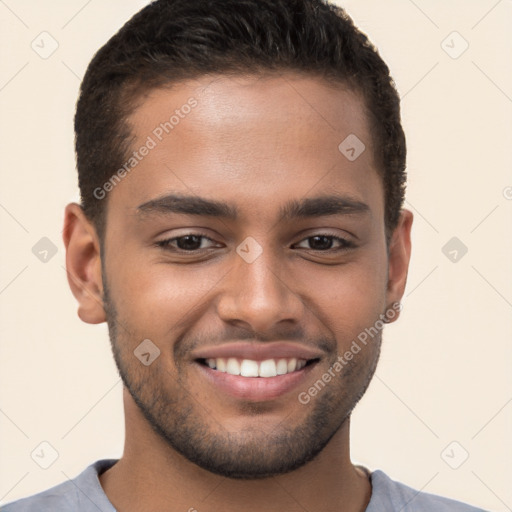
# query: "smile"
[[252, 368], [261, 382]]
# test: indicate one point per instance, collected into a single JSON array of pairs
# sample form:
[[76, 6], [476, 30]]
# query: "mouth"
[[253, 380], [251, 368]]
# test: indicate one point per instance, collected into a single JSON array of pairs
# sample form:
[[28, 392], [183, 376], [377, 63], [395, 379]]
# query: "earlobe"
[[83, 264], [398, 261]]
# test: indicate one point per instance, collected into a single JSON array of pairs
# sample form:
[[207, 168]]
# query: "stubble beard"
[[189, 428]]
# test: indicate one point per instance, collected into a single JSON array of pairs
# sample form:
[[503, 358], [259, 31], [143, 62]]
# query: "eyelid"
[[166, 242], [345, 243]]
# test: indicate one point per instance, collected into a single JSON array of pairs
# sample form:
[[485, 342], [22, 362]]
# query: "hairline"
[[134, 92]]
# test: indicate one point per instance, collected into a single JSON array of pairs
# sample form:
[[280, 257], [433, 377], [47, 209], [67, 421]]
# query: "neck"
[[153, 476]]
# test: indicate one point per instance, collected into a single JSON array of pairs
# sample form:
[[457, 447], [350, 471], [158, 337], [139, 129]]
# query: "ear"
[[83, 264], [398, 260]]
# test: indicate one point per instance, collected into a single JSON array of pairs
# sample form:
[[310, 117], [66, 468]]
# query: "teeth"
[[268, 368], [251, 368], [282, 367], [233, 366]]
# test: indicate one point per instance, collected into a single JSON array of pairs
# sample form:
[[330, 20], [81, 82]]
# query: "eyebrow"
[[297, 208]]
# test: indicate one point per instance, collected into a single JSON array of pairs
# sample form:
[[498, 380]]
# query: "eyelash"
[[344, 243]]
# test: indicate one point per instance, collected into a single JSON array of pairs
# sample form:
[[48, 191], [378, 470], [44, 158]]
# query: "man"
[[242, 172]]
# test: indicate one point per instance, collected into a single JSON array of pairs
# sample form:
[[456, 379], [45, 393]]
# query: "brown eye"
[[189, 242], [320, 242], [326, 242], [192, 242]]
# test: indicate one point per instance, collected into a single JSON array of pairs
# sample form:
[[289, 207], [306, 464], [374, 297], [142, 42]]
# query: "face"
[[244, 241]]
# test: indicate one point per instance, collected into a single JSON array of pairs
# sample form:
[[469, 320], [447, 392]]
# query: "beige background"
[[445, 372]]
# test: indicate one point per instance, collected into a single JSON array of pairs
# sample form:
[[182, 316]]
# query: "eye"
[[197, 242], [324, 243], [190, 242]]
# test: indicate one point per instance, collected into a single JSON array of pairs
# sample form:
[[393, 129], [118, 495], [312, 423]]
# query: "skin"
[[255, 143]]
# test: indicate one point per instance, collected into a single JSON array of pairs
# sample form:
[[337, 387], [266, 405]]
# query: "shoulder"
[[388, 494], [61, 497], [82, 493]]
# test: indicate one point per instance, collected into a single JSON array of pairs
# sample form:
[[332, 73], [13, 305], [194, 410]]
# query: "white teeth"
[[220, 363], [282, 367], [233, 366], [251, 368], [268, 368]]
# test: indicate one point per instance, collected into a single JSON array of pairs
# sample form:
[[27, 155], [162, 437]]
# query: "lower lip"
[[256, 389]]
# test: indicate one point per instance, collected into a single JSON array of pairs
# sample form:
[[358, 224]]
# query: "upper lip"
[[258, 351]]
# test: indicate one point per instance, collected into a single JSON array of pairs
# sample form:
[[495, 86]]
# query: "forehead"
[[254, 140], [265, 104]]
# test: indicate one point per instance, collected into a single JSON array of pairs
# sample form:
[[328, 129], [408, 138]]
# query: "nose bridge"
[[257, 291]]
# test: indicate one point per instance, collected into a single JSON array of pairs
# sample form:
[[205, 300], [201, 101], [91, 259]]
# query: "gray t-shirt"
[[85, 494]]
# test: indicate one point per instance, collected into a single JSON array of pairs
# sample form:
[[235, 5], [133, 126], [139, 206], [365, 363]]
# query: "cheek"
[[349, 298], [156, 299]]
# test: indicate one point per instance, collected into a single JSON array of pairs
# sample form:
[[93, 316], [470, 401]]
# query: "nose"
[[259, 295]]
